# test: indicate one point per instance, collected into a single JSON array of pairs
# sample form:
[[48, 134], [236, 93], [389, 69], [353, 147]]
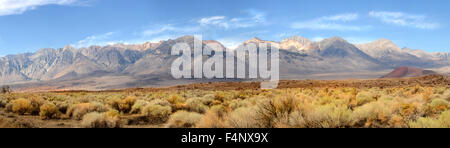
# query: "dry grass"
[[49, 111], [184, 119], [21, 106], [330, 105], [100, 120], [157, 113]]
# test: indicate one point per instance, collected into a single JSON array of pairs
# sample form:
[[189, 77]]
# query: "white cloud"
[[314, 25], [102, 39], [254, 18], [153, 35], [358, 40], [11, 7], [287, 34], [230, 43], [350, 39], [404, 19], [334, 22], [154, 39], [157, 30], [215, 20], [154, 31], [341, 17], [317, 39]]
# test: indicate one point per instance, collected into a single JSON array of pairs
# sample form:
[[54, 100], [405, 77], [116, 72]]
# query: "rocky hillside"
[[403, 72], [116, 66]]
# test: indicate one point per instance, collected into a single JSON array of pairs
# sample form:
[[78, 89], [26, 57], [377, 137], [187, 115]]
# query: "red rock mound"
[[403, 72]]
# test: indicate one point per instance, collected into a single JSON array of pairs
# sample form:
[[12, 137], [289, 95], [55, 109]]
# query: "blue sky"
[[28, 25]]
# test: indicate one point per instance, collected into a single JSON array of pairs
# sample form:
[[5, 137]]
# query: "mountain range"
[[123, 66]]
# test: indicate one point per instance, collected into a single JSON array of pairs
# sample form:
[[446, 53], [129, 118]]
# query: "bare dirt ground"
[[123, 82], [429, 80], [12, 120]]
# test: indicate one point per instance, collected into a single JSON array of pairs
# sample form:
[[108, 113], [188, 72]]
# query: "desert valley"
[[327, 84], [122, 66]]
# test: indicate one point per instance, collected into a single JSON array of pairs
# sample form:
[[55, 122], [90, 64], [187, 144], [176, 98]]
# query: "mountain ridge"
[[299, 56]]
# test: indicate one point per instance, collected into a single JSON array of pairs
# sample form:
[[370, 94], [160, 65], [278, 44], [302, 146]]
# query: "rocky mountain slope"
[[390, 54], [149, 63]]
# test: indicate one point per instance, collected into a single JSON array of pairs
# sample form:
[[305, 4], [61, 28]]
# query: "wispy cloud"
[[157, 30], [340, 17], [317, 39], [254, 18], [102, 39], [404, 19], [231, 43], [220, 21], [152, 34], [335, 22], [359, 40], [287, 34], [11, 7], [350, 39]]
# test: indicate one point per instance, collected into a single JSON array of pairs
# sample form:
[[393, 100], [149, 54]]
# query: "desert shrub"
[[219, 110], [157, 113], [409, 111], [160, 102], [84, 99], [374, 114], [436, 106], [62, 106], [364, 98], [219, 97], [126, 104], [175, 99], [138, 106], [21, 106], [271, 110], [446, 96], [3, 102], [49, 111], [99, 107], [397, 121], [235, 104], [329, 116], [427, 94], [297, 120], [211, 119], [196, 105], [241, 95], [77, 111], [114, 103], [99, 120], [444, 118], [114, 115], [244, 117], [36, 103], [209, 100], [443, 121], [184, 119], [326, 100], [8, 107]]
